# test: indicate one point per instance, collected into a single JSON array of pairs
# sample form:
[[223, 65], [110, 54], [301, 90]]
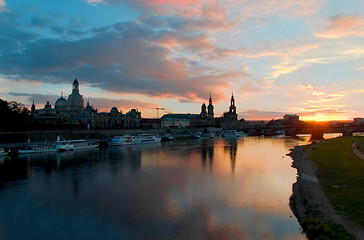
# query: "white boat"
[[229, 133], [38, 148], [121, 140], [69, 145], [146, 138], [241, 134]]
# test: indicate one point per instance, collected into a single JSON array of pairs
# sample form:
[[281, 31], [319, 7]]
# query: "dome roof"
[[61, 103], [114, 110], [75, 101]]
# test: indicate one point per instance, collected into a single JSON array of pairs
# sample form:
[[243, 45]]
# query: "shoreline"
[[308, 199]]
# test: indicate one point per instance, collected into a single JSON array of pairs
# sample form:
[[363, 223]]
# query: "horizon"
[[276, 57]]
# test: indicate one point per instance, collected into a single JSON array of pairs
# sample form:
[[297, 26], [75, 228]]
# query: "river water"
[[187, 189]]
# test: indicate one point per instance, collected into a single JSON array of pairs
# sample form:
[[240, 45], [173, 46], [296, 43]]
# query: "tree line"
[[14, 116]]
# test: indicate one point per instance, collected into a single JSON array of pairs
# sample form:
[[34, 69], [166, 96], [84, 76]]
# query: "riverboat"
[[121, 140], [69, 145], [38, 148], [146, 138]]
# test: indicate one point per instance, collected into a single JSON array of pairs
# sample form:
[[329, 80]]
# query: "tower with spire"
[[75, 99], [210, 109], [230, 119], [232, 107], [32, 109]]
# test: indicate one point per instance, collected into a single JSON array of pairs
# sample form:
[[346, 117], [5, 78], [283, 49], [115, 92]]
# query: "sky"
[[277, 57]]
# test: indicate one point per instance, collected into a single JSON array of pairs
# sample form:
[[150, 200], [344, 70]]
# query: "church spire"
[[232, 104], [210, 108]]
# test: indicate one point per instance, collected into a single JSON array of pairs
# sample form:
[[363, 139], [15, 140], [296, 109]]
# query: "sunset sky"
[[278, 57]]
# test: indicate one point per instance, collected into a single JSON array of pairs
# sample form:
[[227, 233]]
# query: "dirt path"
[[308, 199]]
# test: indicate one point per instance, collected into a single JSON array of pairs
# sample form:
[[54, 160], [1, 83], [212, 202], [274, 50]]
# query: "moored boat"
[[38, 148], [121, 140], [69, 145], [229, 133], [241, 134], [146, 138]]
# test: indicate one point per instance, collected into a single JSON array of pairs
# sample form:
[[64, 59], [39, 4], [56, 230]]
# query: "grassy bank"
[[341, 175]]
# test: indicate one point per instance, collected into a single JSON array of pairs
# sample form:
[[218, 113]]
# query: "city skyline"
[[277, 57]]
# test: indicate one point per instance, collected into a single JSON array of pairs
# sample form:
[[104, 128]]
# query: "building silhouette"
[[72, 111]]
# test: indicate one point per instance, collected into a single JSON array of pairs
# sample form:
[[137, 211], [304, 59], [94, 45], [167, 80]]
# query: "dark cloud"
[[124, 57]]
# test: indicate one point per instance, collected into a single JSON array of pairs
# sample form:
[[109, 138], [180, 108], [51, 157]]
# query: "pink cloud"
[[186, 8], [343, 26], [284, 49], [2, 5], [269, 7]]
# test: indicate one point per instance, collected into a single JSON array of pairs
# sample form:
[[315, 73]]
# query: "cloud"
[[95, 2], [282, 49], [256, 114], [262, 8], [323, 112], [2, 5], [318, 95], [124, 57], [343, 26]]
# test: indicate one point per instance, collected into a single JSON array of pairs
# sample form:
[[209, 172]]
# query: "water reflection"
[[207, 153], [232, 148], [192, 189]]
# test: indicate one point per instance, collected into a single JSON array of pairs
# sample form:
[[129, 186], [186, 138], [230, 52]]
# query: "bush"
[[316, 229]]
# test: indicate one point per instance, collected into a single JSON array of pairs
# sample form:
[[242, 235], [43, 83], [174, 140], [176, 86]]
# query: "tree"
[[13, 116]]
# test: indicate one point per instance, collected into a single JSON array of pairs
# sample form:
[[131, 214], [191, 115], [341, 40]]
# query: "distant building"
[[230, 118], [72, 111], [183, 120], [178, 120], [151, 123], [358, 121], [291, 119]]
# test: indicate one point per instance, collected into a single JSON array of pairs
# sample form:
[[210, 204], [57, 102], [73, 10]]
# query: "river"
[[187, 189]]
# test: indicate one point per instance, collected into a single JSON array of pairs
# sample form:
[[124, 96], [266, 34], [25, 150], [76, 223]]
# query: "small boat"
[[146, 138], [229, 133], [167, 137], [241, 134], [38, 148], [121, 140], [69, 145]]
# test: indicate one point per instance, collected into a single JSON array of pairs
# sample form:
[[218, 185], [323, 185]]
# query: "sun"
[[319, 118]]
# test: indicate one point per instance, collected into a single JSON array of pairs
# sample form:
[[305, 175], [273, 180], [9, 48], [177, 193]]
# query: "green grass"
[[341, 175], [319, 230]]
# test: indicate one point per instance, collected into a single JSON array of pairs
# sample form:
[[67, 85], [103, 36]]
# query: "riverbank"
[[308, 200]]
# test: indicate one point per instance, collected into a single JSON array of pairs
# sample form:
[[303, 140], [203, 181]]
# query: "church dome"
[[61, 104], [114, 111], [75, 99]]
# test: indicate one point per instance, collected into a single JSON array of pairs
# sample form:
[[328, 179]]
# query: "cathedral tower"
[[75, 99], [210, 109], [232, 108]]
